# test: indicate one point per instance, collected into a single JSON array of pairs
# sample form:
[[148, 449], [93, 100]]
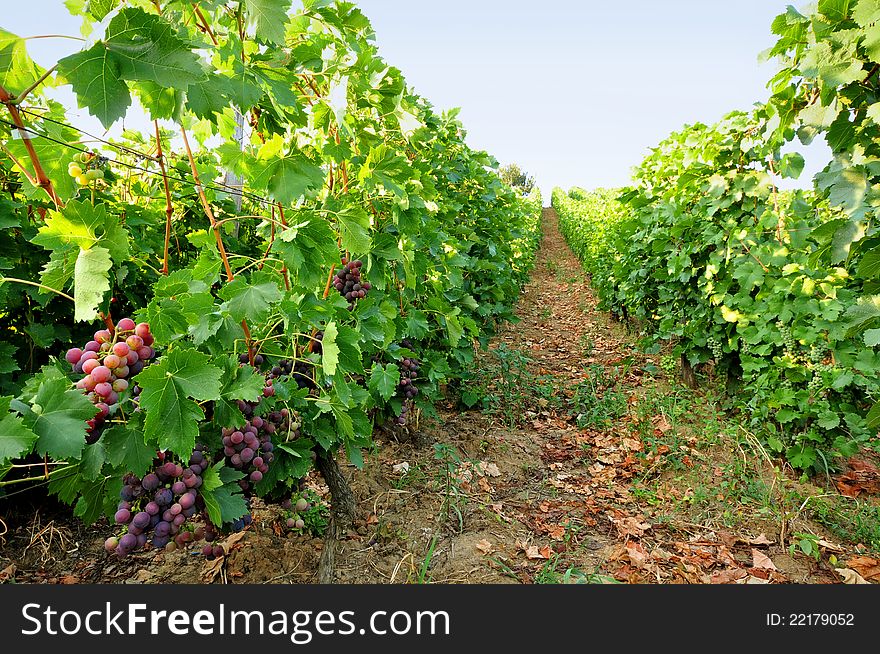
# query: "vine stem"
[[43, 180], [284, 270], [28, 90], [54, 36], [42, 477], [203, 23], [780, 221], [30, 178], [230, 276], [37, 285], [168, 208], [207, 207]]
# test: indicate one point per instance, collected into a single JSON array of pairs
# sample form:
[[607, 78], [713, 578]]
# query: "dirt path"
[[585, 466]]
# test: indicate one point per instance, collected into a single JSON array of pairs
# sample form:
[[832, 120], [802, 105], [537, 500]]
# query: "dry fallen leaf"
[[851, 576], [661, 424], [212, 570], [400, 468], [7, 573], [761, 561], [867, 567], [631, 445], [489, 469], [533, 552], [631, 526], [485, 546], [760, 540], [729, 576], [557, 532], [637, 554]]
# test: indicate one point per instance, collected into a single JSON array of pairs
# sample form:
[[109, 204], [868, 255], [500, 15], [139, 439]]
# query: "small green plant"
[[588, 346], [450, 462], [808, 544], [307, 513], [505, 385], [414, 476], [422, 577], [550, 574], [597, 402]]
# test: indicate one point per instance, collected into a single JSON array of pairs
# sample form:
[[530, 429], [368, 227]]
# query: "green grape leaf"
[[291, 177], [350, 358], [100, 8], [330, 356], [58, 416], [306, 248], [252, 302], [147, 48], [95, 77], [167, 392], [872, 337], [91, 280], [223, 500], [16, 440], [211, 477], [384, 380], [386, 168], [83, 225], [7, 358], [58, 271], [269, 18], [354, 227], [166, 319], [791, 165], [873, 417], [17, 69], [239, 383], [208, 98], [866, 310], [48, 139], [92, 462], [454, 330], [127, 449], [869, 266], [95, 500], [160, 101]]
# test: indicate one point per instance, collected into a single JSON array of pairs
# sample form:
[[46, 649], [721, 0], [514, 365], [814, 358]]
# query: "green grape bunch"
[[716, 348]]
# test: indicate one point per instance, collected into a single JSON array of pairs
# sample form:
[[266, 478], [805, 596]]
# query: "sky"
[[574, 91]]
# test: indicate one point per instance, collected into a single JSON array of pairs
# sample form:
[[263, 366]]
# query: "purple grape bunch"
[[406, 388], [156, 508], [250, 448], [349, 283]]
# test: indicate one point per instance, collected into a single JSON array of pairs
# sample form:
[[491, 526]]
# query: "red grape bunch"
[[108, 362], [160, 504], [348, 282]]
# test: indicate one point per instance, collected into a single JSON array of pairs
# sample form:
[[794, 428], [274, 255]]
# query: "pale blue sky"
[[574, 91]]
